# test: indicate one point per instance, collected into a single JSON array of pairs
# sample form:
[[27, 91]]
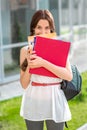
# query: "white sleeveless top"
[[45, 102]]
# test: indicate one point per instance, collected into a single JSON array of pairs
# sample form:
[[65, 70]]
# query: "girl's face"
[[42, 27]]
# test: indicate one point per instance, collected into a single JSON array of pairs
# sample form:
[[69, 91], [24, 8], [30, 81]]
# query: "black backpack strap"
[[66, 125]]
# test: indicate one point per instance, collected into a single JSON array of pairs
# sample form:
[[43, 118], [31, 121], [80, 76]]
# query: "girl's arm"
[[62, 72], [24, 75]]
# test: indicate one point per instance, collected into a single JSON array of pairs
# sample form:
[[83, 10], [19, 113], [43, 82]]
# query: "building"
[[15, 18]]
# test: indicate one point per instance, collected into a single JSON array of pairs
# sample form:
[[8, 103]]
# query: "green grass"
[[9, 115], [10, 111]]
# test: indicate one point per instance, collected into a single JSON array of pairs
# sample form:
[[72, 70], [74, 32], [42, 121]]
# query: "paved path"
[[10, 90], [83, 127], [78, 57]]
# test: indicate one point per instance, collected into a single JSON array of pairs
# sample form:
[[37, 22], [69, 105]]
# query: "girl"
[[43, 99]]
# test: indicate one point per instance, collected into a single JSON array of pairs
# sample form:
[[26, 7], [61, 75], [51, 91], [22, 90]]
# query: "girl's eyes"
[[38, 27], [47, 28]]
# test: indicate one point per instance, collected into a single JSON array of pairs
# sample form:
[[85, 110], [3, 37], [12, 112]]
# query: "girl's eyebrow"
[[41, 26], [38, 25]]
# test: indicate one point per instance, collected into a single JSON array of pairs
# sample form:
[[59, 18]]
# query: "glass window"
[[65, 16], [54, 7], [79, 18], [80, 8], [11, 61], [15, 15], [15, 20]]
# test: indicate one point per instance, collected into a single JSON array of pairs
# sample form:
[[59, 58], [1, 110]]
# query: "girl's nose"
[[43, 32]]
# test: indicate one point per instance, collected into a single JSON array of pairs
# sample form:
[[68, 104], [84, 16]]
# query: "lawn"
[[10, 118]]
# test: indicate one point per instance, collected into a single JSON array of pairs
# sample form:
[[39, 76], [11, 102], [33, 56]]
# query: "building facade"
[[15, 16]]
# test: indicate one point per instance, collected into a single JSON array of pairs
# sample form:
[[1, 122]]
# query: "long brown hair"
[[38, 15]]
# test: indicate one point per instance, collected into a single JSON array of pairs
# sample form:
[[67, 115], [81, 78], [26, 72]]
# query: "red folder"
[[54, 51]]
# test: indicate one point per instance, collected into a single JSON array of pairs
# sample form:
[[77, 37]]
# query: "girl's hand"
[[29, 53], [35, 61]]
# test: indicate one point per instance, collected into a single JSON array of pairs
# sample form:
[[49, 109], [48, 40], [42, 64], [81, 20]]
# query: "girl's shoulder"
[[24, 50]]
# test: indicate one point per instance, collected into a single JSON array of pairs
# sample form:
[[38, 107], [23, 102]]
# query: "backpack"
[[73, 87]]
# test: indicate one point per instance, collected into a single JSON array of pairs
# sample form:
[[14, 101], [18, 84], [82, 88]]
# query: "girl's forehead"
[[43, 22]]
